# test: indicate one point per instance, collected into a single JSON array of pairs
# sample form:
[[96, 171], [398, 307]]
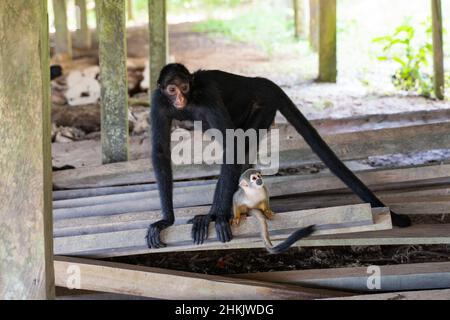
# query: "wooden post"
[[314, 24], [438, 50], [63, 48], [130, 9], [299, 18], [26, 245], [113, 77], [83, 34], [327, 41], [158, 38]]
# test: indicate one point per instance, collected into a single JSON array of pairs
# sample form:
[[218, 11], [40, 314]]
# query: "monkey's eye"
[[254, 178], [185, 88], [171, 89]]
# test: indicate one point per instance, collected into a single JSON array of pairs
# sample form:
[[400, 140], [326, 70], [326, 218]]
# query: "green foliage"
[[265, 26], [412, 56]]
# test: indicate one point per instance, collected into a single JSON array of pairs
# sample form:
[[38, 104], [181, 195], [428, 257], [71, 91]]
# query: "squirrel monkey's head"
[[251, 179]]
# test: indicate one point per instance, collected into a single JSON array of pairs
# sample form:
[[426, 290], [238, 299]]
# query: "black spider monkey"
[[227, 101]]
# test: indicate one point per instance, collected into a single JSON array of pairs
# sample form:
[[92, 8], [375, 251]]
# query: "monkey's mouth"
[[180, 106]]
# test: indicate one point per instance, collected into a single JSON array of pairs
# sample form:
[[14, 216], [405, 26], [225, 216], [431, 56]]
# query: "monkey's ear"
[[243, 183]]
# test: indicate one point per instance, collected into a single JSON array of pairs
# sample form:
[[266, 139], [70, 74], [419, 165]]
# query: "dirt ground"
[[295, 75]]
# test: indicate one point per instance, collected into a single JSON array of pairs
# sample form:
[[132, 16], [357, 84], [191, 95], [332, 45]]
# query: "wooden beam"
[[409, 295], [113, 78], [402, 277], [159, 44], [314, 25], [83, 34], [136, 220], [63, 47], [26, 251], [329, 221], [167, 284], [438, 49], [327, 41]]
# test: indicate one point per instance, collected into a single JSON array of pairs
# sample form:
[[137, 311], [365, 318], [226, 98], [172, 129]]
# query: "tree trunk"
[[327, 41], [113, 78], [438, 50], [26, 235], [299, 18]]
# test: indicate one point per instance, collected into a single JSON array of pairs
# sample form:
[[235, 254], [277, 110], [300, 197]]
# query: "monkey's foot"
[[153, 234], [269, 214], [400, 220], [200, 228], [223, 229], [236, 221]]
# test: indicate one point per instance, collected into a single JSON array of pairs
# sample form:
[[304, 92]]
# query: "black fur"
[[293, 238], [226, 101]]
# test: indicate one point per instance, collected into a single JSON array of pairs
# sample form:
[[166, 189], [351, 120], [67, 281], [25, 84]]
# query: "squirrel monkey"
[[253, 197]]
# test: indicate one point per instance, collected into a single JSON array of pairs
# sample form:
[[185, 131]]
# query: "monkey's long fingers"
[[153, 236], [200, 228], [223, 230]]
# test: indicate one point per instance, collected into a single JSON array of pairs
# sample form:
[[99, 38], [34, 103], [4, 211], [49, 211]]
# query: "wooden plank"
[[113, 78], [415, 235], [382, 222], [83, 34], [167, 284], [328, 221], [103, 191], [438, 49], [119, 222], [63, 46], [426, 202], [327, 41], [159, 45], [403, 277], [25, 158], [412, 203], [278, 186], [125, 221], [348, 146], [411, 295]]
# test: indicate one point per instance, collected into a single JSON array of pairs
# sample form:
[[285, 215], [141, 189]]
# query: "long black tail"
[[324, 152], [293, 238]]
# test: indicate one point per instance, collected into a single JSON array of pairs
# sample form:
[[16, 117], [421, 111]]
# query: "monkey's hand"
[[200, 226], [153, 238]]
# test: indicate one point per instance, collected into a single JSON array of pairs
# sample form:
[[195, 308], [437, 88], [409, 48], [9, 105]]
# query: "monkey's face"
[[254, 181], [177, 91]]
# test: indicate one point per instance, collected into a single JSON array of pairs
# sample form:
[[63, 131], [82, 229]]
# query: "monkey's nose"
[[259, 182]]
